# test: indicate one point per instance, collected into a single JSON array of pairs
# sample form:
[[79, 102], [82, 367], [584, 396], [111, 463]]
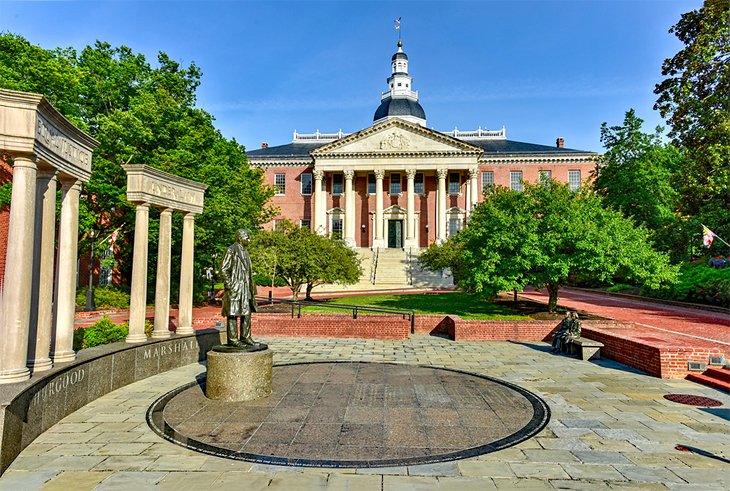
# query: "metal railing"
[[296, 308]]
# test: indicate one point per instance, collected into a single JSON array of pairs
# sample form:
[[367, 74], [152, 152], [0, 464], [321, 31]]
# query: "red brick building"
[[399, 184]]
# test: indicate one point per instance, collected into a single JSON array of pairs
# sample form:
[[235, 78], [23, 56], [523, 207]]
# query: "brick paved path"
[[610, 429], [668, 320]]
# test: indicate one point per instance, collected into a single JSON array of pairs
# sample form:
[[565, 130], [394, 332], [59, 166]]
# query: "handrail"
[[296, 305], [374, 265]]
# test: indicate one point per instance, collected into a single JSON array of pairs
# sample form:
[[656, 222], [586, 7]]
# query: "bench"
[[586, 349]]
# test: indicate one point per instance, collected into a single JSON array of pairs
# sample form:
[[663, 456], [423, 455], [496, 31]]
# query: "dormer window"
[[399, 84]]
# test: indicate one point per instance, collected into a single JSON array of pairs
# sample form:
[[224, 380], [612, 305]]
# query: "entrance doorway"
[[395, 234]]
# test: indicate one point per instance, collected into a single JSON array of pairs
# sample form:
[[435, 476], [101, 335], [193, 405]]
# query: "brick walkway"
[[665, 321], [610, 429]]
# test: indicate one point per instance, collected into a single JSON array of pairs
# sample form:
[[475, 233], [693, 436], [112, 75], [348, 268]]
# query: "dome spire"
[[400, 101]]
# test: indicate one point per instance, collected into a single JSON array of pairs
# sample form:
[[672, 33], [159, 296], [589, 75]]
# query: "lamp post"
[[90, 290]]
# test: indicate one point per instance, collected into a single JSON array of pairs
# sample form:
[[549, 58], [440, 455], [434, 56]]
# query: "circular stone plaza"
[[423, 412]]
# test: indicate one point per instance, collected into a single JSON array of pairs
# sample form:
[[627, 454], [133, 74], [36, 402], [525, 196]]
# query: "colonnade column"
[[441, 212], [68, 241], [349, 208], [410, 209], [378, 240], [185, 304], [318, 204], [162, 285], [15, 298], [138, 297], [474, 196], [41, 314]]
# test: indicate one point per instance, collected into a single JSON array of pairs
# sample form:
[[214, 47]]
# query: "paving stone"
[[124, 481], [538, 470], [597, 457], [439, 469], [403, 483], [301, 482], [643, 473], [557, 456], [593, 471], [533, 484], [73, 463], [14, 480], [123, 449], [351, 482], [188, 481], [478, 468], [124, 463], [464, 484], [581, 485], [75, 480], [235, 481]]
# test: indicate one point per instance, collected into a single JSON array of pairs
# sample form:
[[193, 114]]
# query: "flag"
[[113, 236], [707, 236], [397, 23]]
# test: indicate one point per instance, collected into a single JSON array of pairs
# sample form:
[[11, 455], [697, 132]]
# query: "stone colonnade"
[[148, 187], [36, 312], [319, 213]]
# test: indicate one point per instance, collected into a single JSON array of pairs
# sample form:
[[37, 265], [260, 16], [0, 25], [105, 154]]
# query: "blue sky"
[[543, 69]]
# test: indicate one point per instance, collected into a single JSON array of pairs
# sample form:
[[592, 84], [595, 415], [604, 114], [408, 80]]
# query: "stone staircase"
[[386, 269], [715, 377]]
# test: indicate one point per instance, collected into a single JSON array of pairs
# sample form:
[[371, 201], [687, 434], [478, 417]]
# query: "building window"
[[306, 183], [545, 176], [337, 228], [395, 184], [487, 181], [574, 179], [371, 183], [337, 184], [418, 183], [454, 183], [515, 181], [306, 224], [280, 183], [455, 224]]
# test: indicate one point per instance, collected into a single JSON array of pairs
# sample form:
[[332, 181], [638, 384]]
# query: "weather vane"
[[397, 27]]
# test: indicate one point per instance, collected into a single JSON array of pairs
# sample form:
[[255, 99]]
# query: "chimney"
[[264, 146], [560, 142]]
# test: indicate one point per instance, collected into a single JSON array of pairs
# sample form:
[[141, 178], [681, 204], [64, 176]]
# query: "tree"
[[304, 258], [695, 99], [635, 174], [548, 234], [144, 115]]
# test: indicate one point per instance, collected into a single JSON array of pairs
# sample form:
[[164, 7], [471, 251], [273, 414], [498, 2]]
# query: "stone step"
[[709, 381], [718, 373]]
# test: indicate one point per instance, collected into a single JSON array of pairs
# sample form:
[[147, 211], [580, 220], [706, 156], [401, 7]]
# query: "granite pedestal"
[[239, 375]]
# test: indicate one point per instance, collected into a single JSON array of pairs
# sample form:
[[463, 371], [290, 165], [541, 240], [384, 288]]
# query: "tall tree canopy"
[[548, 234], [143, 115], [634, 176], [695, 99]]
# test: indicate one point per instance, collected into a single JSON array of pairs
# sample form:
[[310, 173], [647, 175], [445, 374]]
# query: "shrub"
[[699, 283], [102, 332], [105, 297], [619, 287], [264, 280]]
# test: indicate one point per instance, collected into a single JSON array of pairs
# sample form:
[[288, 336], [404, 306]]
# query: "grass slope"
[[464, 305]]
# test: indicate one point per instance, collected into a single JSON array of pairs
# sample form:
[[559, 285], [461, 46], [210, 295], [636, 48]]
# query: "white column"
[[68, 240], [410, 209], [473, 176], [41, 314], [185, 304], [162, 285], [378, 241], [441, 218], [15, 314], [349, 208], [138, 296], [319, 226]]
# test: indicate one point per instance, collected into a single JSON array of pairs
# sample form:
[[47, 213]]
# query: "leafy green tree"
[[447, 255], [695, 99], [635, 175], [548, 234], [303, 257], [143, 115]]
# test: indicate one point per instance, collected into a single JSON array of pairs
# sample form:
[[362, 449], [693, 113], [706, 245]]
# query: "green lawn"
[[464, 305]]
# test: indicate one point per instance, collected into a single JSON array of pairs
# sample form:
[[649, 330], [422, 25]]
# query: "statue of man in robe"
[[239, 299]]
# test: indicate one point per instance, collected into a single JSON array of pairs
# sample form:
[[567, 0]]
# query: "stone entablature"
[[146, 184], [30, 125]]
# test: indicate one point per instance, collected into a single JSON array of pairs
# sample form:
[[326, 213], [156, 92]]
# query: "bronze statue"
[[569, 329], [239, 299]]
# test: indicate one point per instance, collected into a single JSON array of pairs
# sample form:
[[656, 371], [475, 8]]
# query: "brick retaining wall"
[[331, 326]]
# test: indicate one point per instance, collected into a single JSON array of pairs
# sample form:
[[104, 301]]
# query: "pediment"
[[396, 136]]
